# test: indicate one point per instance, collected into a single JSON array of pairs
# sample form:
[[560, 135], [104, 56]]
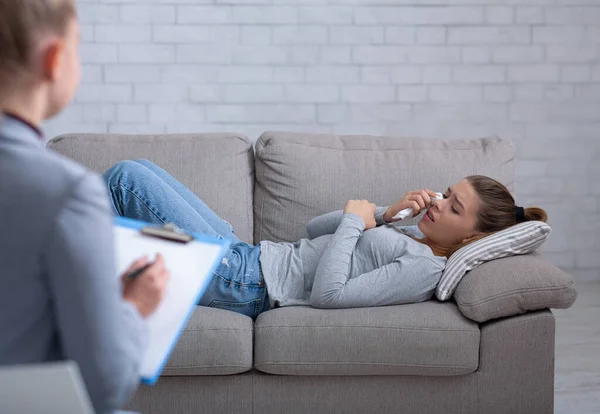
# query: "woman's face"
[[452, 220]]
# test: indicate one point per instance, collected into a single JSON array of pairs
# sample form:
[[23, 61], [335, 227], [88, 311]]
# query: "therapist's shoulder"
[[78, 183], [66, 171], [39, 188], [55, 180]]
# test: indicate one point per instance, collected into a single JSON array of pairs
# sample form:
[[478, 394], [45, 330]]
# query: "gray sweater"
[[344, 266]]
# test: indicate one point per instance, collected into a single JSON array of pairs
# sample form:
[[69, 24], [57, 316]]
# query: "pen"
[[135, 273]]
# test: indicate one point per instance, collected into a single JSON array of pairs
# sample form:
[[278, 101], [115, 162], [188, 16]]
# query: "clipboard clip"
[[168, 232]]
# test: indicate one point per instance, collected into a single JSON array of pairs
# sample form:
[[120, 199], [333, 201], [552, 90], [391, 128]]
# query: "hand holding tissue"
[[409, 212]]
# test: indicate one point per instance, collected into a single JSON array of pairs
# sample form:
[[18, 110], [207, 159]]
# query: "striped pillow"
[[521, 238]]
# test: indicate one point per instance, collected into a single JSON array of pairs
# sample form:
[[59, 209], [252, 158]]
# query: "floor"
[[577, 381]]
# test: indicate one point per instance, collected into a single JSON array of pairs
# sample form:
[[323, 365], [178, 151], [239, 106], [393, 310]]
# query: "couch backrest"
[[219, 168], [299, 176]]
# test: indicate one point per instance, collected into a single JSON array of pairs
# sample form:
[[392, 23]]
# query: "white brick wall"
[[527, 69]]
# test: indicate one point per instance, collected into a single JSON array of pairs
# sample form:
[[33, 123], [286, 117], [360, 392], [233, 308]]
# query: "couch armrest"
[[513, 285]]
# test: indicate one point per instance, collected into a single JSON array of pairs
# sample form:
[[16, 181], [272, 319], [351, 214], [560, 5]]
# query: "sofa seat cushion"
[[214, 342], [428, 339]]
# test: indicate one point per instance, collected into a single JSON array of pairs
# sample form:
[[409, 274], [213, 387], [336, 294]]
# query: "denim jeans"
[[142, 190]]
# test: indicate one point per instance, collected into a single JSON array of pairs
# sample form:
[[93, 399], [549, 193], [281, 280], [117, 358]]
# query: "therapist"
[[60, 297]]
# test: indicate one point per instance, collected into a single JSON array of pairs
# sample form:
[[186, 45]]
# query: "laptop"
[[49, 388]]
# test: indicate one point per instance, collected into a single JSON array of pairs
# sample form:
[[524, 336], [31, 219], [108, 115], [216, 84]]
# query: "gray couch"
[[490, 350]]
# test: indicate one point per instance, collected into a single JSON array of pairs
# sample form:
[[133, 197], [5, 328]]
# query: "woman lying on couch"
[[352, 258]]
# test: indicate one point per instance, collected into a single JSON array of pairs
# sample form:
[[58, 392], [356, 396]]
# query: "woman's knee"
[[145, 162], [123, 171]]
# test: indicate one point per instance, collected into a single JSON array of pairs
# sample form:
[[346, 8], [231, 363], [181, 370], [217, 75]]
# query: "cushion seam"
[[492, 141], [250, 196], [511, 308], [216, 329], [143, 138], [203, 366], [384, 364], [515, 292], [535, 303], [520, 321], [475, 330]]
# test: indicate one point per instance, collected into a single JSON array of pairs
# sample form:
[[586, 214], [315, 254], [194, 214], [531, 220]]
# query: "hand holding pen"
[[144, 284]]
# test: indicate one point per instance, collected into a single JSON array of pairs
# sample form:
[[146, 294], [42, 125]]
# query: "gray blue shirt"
[[60, 296], [344, 266]]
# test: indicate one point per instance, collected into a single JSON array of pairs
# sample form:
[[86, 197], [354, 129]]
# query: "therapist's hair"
[[23, 26]]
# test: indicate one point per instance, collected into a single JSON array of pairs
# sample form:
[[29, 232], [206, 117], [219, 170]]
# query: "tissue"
[[408, 212]]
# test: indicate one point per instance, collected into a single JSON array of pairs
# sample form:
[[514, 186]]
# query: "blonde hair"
[[22, 23], [497, 209]]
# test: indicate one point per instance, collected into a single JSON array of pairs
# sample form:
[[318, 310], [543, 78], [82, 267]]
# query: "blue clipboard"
[[172, 234]]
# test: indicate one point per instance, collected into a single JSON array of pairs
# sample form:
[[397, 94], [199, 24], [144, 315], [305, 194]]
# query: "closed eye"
[[454, 210]]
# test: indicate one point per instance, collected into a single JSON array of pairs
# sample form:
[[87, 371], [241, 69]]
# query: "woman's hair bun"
[[535, 214]]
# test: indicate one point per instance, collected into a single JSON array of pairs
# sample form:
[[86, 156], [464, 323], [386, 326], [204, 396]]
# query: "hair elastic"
[[520, 213]]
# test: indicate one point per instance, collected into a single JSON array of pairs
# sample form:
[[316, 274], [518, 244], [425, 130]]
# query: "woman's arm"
[[328, 223], [408, 279]]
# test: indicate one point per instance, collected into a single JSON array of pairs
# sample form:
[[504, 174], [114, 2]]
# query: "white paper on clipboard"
[[191, 266]]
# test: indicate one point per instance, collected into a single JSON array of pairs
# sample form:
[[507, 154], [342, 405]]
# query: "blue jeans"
[[141, 190]]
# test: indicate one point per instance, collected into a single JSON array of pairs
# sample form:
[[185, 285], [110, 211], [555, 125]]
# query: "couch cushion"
[[214, 342], [300, 176], [218, 168], [429, 338], [514, 285]]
